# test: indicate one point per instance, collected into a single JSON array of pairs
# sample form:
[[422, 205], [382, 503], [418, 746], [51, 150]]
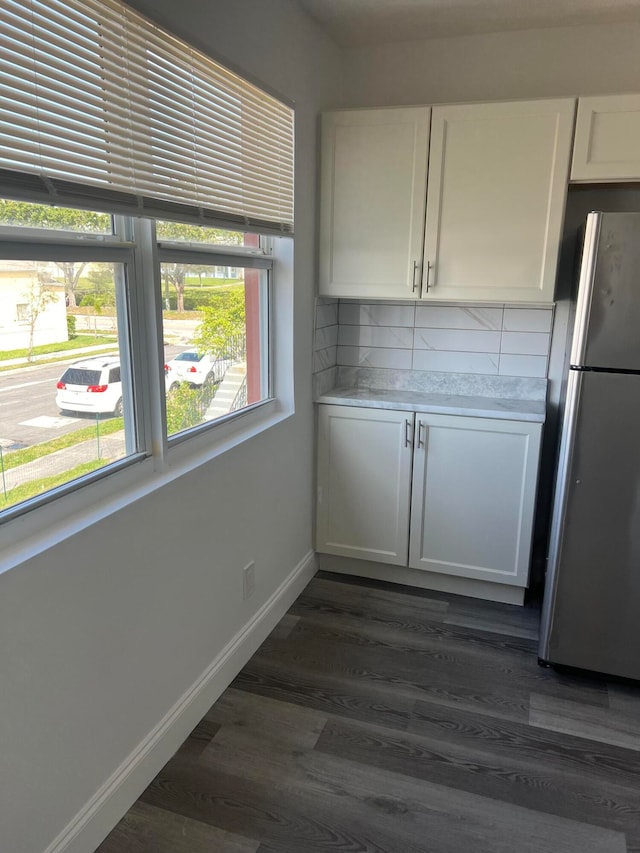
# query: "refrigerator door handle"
[[567, 443], [585, 288]]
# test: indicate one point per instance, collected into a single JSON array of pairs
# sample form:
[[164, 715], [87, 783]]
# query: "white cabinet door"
[[474, 486], [497, 185], [364, 483], [607, 140], [373, 189]]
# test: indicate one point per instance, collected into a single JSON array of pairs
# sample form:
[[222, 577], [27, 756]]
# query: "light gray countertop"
[[471, 395], [445, 404]]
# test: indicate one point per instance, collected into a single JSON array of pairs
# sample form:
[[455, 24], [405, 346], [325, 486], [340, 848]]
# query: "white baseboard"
[[102, 812]]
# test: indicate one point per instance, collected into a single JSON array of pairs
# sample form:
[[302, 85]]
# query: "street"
[[28, 411]]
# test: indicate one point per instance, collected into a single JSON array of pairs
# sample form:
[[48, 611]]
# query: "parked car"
[[196, 368], [91, 385]]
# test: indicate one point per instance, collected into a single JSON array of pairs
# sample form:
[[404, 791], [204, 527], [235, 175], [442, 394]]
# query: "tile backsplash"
[[496, 340]]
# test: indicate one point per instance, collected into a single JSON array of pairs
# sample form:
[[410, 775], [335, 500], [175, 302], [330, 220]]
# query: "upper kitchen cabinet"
[[374, 183], [607, 141], [494, 200], [498, 178]]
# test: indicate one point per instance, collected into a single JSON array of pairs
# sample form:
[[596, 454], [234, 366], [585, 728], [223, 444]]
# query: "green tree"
[[223, 323], [71, 272], [62, 219], [97, 301], [200, 271], [101, 280], [176, 274], [38, 296]]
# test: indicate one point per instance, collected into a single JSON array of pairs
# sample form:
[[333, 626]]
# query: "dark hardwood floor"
[[378, 719]]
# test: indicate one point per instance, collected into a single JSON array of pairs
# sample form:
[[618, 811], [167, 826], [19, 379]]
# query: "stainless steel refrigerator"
[[591, 610]]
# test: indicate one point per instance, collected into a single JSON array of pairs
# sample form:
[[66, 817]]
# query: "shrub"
[[183, 408], [71, 327]]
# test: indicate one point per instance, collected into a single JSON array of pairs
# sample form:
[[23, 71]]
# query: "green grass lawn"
[[209, 282], [38, 487], [37, 451], [62, 346]]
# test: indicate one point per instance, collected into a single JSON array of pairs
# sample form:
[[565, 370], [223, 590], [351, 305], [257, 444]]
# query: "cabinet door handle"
[[429, 268], [408, 433], [422, 434], [415, 284]]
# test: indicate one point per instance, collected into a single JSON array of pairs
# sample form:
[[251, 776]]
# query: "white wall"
[[523, 64], [103, 633]]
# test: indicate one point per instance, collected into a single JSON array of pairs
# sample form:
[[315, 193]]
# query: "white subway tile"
[[326, 315], [525, 343], [523, 365], [458, 317], [324, 381], [375, 357], [324, 358], [527, 319], [326, 337], [376, 336], [455, 362], [457, 340], [373, 314]]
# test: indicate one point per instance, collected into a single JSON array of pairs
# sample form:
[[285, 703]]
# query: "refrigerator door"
[[591, 611], [608, 310]]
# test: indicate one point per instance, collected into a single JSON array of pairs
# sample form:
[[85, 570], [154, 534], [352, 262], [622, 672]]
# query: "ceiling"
[[353, 23]]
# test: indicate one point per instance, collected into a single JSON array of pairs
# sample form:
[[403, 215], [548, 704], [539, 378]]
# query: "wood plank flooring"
[[376, 718]]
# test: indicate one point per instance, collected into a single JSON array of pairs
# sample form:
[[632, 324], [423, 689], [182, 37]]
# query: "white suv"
[[91, 385]]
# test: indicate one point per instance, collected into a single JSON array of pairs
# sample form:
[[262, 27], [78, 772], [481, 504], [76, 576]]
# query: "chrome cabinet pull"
[[408, 433], [422, 435], [416, 284], [429, 268]]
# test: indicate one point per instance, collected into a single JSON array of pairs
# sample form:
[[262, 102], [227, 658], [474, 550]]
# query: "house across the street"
[[30, 297]]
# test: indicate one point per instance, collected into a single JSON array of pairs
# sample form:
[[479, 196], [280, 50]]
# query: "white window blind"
[[100, 106]]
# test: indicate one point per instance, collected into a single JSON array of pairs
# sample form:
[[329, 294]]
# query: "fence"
[[30, 478]]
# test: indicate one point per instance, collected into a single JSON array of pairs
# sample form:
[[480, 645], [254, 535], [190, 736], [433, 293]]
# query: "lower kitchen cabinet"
[[473, 497], [364, 483], [447, 494]]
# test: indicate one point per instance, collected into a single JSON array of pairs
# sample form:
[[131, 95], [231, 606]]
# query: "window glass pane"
[[182, 233], [216, 350], [64, 413], [27, 215]]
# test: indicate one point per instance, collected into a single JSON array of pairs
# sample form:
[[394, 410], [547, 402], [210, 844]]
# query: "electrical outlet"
[[248, 579]]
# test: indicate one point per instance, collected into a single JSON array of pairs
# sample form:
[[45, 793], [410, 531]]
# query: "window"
[[216, 360], [224, 367], [140, 215], [75, 412], [66, 409]]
